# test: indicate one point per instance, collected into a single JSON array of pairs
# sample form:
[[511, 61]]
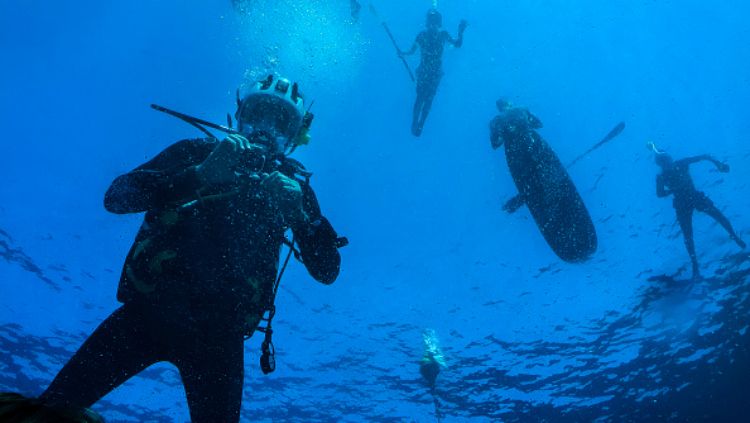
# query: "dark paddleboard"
[[551, 197]]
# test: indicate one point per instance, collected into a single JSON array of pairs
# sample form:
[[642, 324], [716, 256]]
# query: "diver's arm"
[[695, 159], [169, 178], [722, 167], [661, 190], [317, 240]]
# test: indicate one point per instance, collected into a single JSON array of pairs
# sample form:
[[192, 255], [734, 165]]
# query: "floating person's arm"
[[318, 241], [459, 41], [521, 117], [720, 166], [533, 121], [496, 137], [661, 190], [413, 49], [169, 178]]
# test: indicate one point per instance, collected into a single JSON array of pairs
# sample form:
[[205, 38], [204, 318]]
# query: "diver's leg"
[[707, 206], [117, 350], [685, 219], [212, 371]]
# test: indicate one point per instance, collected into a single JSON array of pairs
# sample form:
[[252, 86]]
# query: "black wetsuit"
[[431, 43], [196, 282], [675, 179]]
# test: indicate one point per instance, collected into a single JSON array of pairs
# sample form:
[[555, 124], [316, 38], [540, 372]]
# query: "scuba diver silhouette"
[[204, 268], [431, 43], [675, 180]]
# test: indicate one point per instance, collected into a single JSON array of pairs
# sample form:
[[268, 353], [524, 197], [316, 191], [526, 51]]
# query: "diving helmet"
[[274, 107]]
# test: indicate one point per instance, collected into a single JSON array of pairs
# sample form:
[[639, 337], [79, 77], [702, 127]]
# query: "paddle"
[[516, 202], [613, 133], [393, 40]]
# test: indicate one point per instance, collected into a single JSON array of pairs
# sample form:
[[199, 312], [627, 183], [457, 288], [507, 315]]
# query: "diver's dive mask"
[[272, 120], [267, 139]]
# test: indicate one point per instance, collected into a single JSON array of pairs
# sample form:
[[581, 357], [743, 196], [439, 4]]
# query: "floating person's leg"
[[707, 206], [426, 106], [423, 97], [117, 350], [685, 219], [416, 129], [429, 90]]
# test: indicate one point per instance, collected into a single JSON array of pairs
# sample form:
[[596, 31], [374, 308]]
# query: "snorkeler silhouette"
[[675, 179], [430, 365], [431, 42]]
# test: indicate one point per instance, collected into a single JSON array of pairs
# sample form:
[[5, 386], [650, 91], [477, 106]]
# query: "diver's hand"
[[723, 167], [218, 166], [285, 194], [462, 25]]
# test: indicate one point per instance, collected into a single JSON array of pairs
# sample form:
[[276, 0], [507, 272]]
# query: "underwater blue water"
[[625, 336]]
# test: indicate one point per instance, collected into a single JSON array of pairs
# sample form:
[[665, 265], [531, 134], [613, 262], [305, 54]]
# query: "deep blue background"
[[430, 247]]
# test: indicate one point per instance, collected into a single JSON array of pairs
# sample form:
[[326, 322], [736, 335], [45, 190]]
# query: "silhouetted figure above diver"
[[431, 43], [675, 180]]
